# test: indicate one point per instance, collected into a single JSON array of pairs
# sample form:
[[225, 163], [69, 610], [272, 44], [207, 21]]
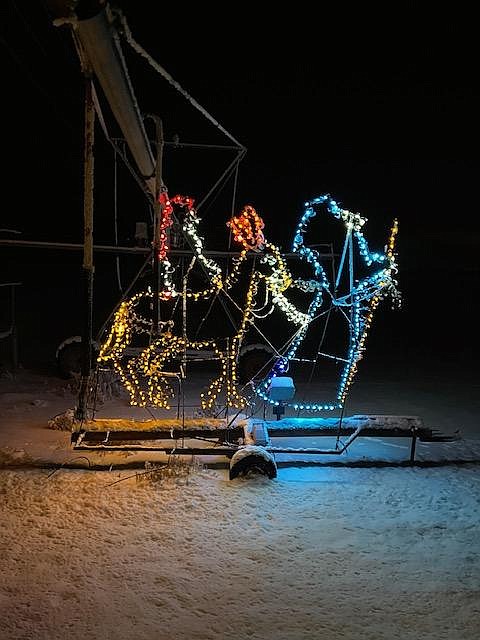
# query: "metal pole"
[[158, 209], [14, 330], [70, 246], [88, 182], [413, 446]]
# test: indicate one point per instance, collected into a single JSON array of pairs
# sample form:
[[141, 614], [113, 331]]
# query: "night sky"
[[378, 109]]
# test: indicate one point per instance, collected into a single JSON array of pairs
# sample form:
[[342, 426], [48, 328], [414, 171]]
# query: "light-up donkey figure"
[[145, 372]]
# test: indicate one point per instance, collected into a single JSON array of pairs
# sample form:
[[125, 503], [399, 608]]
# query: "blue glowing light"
[[361, 301]]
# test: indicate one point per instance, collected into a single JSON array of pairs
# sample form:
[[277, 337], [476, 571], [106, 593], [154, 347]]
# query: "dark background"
[[377, 108]]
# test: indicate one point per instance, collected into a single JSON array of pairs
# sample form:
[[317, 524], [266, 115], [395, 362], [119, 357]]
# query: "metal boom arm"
[[96, 33]]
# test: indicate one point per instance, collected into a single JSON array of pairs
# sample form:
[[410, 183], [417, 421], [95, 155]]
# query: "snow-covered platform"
[[370, 425], [218, 437]]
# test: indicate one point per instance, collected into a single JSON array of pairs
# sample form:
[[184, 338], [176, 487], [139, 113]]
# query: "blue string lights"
[[362, 300]]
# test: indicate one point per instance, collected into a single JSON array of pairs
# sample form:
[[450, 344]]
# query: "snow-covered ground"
[[319, 552]]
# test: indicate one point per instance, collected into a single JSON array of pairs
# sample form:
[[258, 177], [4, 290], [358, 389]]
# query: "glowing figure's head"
[[247, 229]]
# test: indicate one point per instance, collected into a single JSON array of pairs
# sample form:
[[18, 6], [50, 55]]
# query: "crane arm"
[[96, 33]]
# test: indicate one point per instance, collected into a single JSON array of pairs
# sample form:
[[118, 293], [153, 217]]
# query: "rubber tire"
[[254, 365], [253, 464], [69, 360]]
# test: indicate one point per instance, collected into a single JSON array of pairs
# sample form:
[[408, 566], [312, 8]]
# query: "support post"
[[14, 330], [158, 210], [87, 268], [413, 446]]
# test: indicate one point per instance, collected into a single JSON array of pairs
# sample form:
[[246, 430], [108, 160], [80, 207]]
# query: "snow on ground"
[[319, 552], [335, 553]]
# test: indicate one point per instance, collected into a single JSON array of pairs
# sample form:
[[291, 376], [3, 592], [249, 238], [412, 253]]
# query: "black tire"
[[69, 360], [253, 464], [254, 365]]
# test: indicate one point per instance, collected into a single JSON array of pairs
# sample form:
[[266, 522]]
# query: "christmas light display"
[[165, 222], [144, 375], [362, 300], [247, 228]]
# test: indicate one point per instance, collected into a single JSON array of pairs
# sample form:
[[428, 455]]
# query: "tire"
[[254, 463], [254, 364], [69, 359]]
